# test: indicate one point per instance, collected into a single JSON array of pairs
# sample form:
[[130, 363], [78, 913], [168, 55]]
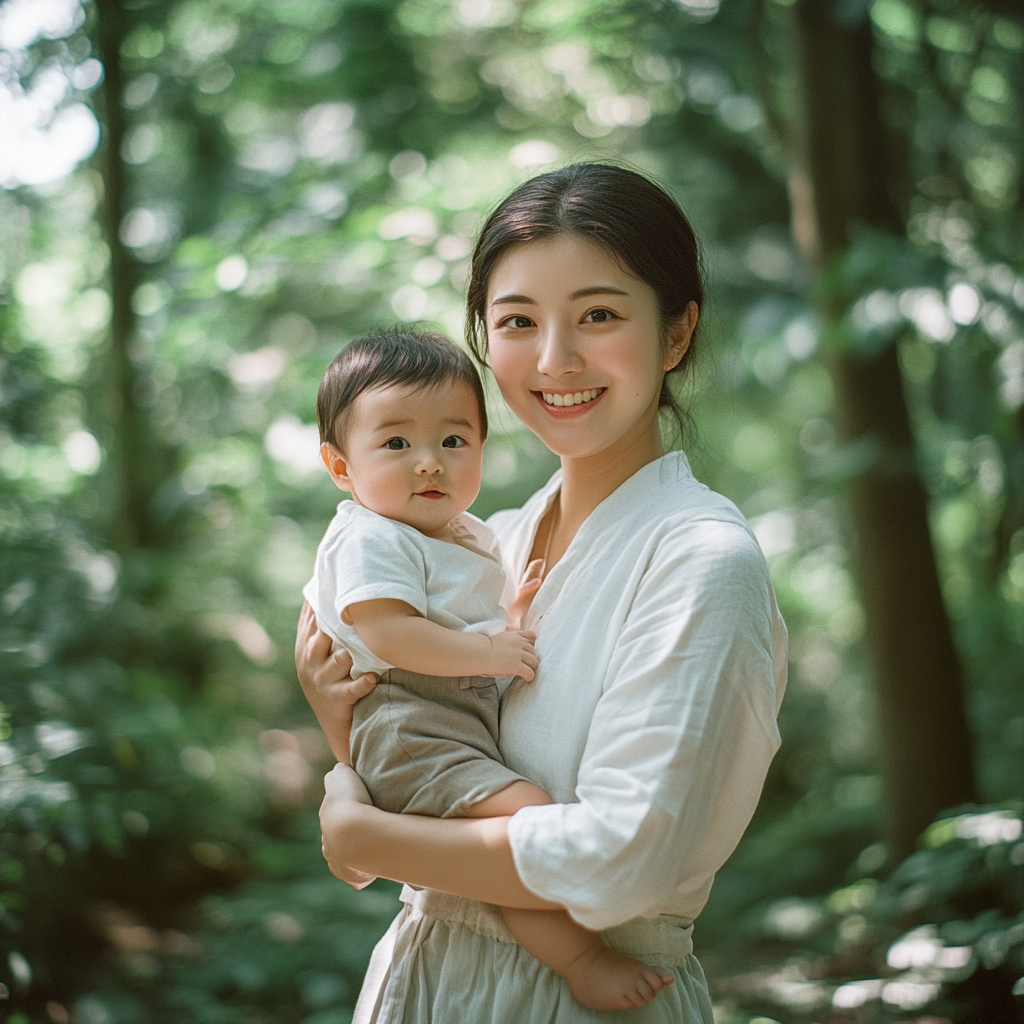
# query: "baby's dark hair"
[[390, 357]]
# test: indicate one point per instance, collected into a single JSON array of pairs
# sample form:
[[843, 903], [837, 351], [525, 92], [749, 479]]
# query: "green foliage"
[[941, 937], [128, 791]]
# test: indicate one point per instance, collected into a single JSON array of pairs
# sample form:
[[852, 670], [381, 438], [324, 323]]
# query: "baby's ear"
[[336, 465]]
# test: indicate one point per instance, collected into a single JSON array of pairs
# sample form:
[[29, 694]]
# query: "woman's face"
[[575, 342]]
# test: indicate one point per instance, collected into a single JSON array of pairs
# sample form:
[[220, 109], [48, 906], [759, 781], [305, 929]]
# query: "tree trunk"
[[840, 178], [123, 424]]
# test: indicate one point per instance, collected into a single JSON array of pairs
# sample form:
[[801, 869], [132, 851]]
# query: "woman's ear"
[[336, 466], [680, 334]]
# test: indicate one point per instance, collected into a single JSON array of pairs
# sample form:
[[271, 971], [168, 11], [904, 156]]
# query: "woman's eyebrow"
[[581, 293], [598, 289]]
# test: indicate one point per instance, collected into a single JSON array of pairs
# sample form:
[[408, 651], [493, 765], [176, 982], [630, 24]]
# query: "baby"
[[410, 584]]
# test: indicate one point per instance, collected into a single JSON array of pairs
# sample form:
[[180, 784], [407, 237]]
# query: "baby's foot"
[[603, 979]]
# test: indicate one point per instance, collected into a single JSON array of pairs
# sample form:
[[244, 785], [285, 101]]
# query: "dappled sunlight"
[[252, 639], [295, 446], [44, 136]]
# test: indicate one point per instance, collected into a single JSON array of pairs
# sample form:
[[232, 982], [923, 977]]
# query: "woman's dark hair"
[[632, 217], [390, 357]]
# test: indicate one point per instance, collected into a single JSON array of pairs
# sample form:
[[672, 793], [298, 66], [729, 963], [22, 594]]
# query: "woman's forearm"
[[324, 677], [336, 729], [468, 857]]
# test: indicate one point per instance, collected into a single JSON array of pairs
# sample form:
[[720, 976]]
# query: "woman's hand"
[[324, 677], [343, 789]]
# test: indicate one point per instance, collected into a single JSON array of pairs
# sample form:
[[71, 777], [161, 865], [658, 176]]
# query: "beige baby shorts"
[[429, 744]]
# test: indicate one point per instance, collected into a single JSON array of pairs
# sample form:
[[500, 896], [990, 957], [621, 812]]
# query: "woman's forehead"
[[561, 268], [565, 263]]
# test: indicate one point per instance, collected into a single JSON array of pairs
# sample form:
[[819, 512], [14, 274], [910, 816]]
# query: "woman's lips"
[[588, 398]]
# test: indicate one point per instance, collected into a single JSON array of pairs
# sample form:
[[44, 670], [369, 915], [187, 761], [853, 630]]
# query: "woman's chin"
[[565, 446]]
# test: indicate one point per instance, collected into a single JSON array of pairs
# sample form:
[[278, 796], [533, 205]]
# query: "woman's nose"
[[558, 354]]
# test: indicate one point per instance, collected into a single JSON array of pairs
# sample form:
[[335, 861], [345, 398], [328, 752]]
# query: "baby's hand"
[[513, 654], [528, 587]]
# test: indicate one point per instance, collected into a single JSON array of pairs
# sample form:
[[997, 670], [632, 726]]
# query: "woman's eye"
[[453, 441], [599, 316], [396, 444], [516, 322]]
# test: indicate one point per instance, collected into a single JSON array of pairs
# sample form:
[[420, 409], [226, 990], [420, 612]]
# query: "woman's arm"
[[324, 677], [468, 857], [360, 842], [331, 694], [679, 741]]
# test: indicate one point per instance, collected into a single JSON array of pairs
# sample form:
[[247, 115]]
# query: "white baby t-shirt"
[[456, 582]]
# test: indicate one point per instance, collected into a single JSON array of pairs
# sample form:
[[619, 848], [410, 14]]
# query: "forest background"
[[203, 201]]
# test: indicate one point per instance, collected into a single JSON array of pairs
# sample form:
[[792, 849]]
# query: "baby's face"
[[412, 455]]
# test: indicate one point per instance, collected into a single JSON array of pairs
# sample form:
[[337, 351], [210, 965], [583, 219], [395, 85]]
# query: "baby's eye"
[[516, 322], [396, 444], [453, 441], [599, 316]]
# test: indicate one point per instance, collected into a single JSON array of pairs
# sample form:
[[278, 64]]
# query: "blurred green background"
[[202, 202]]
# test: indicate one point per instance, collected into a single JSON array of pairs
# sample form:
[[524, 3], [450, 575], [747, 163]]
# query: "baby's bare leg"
[[599, 978]]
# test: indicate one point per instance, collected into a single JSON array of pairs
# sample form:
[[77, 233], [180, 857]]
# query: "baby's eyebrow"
[[389, 424]]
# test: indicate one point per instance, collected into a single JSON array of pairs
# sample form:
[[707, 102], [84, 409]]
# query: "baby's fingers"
[[528, 666]]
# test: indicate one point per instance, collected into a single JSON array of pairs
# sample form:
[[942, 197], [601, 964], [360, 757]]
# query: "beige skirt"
[[447, 959]]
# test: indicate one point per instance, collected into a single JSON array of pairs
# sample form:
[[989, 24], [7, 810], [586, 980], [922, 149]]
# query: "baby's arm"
[[396, 633]]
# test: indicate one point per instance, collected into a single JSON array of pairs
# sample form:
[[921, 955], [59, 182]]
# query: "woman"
[[652, 719]]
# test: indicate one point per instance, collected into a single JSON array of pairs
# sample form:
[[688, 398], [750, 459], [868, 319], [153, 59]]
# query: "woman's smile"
[[560, 400]]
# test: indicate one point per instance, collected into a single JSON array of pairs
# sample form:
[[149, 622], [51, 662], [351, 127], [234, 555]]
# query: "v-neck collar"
[[609, 512]]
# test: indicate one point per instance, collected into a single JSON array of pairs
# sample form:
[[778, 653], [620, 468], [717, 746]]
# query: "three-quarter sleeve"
[[680, 740]]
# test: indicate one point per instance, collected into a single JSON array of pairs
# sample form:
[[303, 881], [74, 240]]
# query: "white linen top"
[[456, 582], [652, 719]]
